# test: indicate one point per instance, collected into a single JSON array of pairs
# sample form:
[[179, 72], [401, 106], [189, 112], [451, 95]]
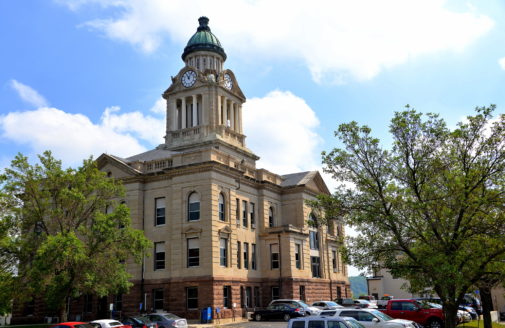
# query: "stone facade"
[[225, 234]]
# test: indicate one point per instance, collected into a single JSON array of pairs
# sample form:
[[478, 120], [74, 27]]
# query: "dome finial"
[[204, 24]]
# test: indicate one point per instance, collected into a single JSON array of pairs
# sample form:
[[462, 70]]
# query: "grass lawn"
[[473, 324]]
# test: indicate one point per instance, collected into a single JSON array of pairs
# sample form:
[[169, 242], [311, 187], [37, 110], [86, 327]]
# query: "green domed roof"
[[203, 40]]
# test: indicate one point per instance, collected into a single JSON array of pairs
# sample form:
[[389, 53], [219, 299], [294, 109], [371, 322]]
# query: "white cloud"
[[280, 128], [337, 40], [501, 62], [28, 94], [148, 128]]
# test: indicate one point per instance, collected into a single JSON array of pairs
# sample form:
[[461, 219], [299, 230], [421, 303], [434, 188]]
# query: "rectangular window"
[[226, 296], [298, 256], [302, 293], [315, 265], [88, 303], [223, 251], [193, 252], [158, 299], [257, 300], [237, 211], [239, 254], [334, 260], [244, 213], [118, 302], [192, 297], [274, 256], [253, 216], [246, 256], [248, 297], [275, 293], [314, 239], [160, 211], [159, 256], [253, 256]]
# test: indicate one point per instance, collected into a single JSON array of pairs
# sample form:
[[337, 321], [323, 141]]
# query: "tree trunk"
[[63, 312], [487, 305], [451, 314]]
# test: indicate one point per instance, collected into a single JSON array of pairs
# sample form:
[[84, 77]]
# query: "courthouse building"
[[225, 233]]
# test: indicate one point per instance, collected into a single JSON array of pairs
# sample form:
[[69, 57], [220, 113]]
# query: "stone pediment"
[[116, 166], [192, 230], [226, 230]]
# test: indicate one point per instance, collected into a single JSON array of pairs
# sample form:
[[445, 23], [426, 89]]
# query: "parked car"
[[326, 305], [384, 301], [364, 304], [369, 298], [108, 323], [165, 320], [139, 322], [470, 310], [347, 302], [323, 322], [282, 311], [425, 314], [474, 302], [73, 324], [309, 310], [371, 318]]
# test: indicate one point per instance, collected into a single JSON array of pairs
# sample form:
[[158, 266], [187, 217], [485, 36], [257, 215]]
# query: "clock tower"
[[204, 101]]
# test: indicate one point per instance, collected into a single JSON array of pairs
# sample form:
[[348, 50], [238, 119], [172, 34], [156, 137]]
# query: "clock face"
[[188, 78], [228, 83]]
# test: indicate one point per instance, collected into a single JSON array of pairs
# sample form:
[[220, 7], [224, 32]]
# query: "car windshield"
[[84, 325], [381, 315], [331, 304], [115, 323], [142, 319], [354, 323], [302, 304], [435, 305], [171, 316]]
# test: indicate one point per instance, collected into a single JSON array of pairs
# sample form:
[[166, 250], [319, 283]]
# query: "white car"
[[371, 318], [106, 323], [309, 310], [327, 305]]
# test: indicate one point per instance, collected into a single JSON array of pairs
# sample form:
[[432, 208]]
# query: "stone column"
[[173, 115], [225, 109], [219, 111], [232, 115], [240, 118], [183, 113], [195, 111]]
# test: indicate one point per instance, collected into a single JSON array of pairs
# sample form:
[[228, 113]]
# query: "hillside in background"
[[358, 286]]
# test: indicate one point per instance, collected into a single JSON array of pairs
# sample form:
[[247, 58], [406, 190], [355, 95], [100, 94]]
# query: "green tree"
[[57, 230], [430, 208]]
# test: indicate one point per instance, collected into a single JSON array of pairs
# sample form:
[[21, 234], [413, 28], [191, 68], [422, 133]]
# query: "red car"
[[73, 324]]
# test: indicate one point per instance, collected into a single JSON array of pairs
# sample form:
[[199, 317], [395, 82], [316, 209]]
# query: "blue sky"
[[83, 77]]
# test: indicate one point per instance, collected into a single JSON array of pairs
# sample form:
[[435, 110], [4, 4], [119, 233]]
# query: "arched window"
[[271, 222], [221, 208], [193, 207], [312, 220]]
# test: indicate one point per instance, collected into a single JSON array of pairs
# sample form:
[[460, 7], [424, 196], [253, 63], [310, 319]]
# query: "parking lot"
[[245, 324]]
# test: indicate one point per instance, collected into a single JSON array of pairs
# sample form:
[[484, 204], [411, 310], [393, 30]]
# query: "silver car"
[[167, 320]]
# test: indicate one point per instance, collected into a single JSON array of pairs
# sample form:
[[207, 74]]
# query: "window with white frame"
[[158, 299], [253, 257], [159, 204], [244, 213], [271, 222], [193, 252], [221, 205], [223, 251], [275, 293], [193, 207], [159, 256], [246, 256], [298, 256], [274, 256], [253, 215]]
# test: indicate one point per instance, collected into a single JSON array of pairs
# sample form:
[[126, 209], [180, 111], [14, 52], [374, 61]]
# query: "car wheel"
[[307, 313], [435, 323], [257, 317], [286, 317]]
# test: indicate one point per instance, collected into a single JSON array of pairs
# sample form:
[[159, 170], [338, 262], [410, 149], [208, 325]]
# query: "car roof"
[[105, 320]]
